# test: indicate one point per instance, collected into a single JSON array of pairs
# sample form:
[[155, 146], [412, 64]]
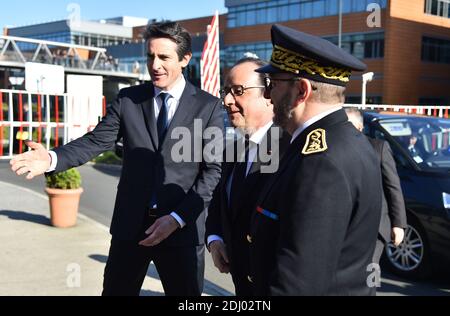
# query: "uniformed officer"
[[316, 224]]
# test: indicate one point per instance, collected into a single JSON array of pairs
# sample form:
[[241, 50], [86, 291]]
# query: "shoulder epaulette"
[[316, 142]]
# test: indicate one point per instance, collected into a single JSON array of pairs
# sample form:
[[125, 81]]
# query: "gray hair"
[[327, 93]]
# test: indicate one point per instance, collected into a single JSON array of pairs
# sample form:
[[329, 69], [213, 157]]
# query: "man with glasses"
[[227, 225], [316, 222]]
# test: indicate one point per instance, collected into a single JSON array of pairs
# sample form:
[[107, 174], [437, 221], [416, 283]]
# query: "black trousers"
[[181, 270], [379, 248]]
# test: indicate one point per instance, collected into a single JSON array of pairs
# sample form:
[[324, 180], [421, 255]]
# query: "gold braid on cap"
[[290, 61]]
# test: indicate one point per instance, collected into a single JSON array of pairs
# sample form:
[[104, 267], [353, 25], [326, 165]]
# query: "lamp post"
[[367, 77], [340, 24]]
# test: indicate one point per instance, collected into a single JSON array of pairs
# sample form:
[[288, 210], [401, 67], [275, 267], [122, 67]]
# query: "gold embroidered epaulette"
[[316, 142]]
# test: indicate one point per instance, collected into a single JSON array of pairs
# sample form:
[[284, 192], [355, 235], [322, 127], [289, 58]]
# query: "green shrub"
[[109, 158], [66, 180]]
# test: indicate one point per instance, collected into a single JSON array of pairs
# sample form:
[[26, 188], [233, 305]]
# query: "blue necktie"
[[239, 176], [163, 117], [162, 124]]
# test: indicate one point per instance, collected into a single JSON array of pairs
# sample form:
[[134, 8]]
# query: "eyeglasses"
[[268, 82], [237, 90]]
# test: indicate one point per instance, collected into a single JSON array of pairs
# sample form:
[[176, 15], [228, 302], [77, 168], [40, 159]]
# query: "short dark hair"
[[172, 31], [258, 62]]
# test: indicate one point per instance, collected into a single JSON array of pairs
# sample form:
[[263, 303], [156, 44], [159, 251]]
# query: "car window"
[[425, 139], [398, 156]]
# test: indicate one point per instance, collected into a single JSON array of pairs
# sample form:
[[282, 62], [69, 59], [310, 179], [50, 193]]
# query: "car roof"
[[382, 115]]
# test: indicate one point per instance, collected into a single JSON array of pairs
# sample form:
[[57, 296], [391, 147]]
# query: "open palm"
[[33, 163]]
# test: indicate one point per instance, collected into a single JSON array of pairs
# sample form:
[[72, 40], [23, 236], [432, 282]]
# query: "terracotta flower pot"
[[64, 206]]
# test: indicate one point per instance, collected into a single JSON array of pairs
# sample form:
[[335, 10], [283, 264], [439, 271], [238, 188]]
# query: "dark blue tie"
[[163, 117], [239, 176]]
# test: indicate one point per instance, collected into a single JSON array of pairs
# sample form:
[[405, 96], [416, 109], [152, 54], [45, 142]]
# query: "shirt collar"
[[176, 92], [258, 136], [313, 120]]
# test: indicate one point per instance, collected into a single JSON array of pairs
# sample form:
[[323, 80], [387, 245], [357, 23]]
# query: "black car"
[[421, 147]]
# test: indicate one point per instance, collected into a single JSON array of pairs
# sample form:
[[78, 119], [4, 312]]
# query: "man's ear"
[[186, 59], [304, 90]]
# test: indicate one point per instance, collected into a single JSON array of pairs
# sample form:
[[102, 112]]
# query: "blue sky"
[[26, 12]]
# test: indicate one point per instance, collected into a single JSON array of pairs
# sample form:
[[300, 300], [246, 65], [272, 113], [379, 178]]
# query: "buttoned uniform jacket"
[[232, 223], [316, 225]]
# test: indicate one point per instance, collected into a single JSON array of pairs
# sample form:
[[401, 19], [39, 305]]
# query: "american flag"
[[210, 61]]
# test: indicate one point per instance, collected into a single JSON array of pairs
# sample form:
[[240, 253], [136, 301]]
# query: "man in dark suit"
[[227, 225], [314, 230], [161, 201], [393, 213]]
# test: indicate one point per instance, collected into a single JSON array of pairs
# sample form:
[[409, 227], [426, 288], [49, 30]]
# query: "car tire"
[[412, 258]]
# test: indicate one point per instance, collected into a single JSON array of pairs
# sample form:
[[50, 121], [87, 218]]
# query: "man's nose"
[[155, 64], [228, 100]]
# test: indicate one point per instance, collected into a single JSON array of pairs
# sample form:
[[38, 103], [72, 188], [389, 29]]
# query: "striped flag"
[[210, 61]]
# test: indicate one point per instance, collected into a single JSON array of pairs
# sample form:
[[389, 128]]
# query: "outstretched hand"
[[33, 163]]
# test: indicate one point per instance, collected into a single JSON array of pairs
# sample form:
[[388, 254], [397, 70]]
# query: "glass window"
[[436, 50], [346, 6], [294, 11], [332, 7], [318, 8], [231, 20], [359, 6], [241, 19], [358, 50], [306, 10], [261, 16], [251, 17], [272, 15], [283, 13]]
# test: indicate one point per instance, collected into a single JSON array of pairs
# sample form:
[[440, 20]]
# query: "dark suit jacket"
[[233, 224], [182, 187], [393, 213], [320, 234]]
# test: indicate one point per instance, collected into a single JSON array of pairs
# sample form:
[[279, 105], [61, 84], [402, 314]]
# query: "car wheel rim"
[[409, 254]]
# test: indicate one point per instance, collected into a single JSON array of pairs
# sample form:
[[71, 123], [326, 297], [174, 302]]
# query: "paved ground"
[[38, 259], [35, 256]]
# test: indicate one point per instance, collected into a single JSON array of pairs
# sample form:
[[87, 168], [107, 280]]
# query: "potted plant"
[[64, 191]]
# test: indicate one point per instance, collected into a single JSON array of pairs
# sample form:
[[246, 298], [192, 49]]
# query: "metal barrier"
[[49, 119], [46, 119]]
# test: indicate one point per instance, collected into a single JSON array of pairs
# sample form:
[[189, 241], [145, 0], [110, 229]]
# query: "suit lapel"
[[149, 116], [185, 113]]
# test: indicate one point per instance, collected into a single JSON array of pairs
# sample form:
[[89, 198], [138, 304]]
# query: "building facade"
[[102, 33], [406, 43], [408, 50]]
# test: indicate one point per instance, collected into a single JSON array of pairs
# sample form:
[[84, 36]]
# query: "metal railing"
[[429, 110], [45, 119], [17, 51]]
